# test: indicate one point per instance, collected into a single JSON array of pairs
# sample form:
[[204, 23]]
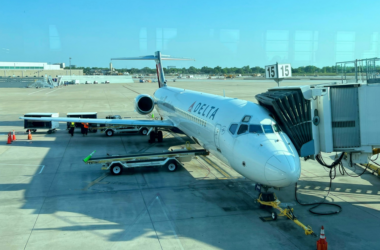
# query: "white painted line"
[[170, 222], [36, 91], [43, 166], [52, 91], [21, 164], [41, 169]]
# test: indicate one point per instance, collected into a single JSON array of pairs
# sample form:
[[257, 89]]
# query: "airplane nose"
[[282, 169]]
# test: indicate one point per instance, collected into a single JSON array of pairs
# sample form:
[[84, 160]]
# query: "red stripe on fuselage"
[[158, 77]]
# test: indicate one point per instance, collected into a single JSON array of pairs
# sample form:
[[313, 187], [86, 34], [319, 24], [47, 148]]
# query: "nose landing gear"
[[269, 199]]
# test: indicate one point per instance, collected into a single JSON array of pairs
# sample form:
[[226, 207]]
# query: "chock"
[[322, 243]]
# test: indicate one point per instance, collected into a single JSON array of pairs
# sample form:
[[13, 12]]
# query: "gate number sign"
[[278, 71]]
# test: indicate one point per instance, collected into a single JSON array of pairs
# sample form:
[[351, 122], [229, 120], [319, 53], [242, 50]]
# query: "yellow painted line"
[[95, 181], [224, 173]]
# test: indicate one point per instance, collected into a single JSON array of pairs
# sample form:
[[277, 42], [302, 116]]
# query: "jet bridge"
[[334, 117]]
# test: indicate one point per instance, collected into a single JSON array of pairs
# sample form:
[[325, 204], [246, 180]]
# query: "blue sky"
[[215, 33]]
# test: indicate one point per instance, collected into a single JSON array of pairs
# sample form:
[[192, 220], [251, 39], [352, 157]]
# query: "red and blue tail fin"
[[158, 58]]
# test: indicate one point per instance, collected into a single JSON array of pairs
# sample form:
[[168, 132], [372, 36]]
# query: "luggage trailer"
[[31, 125], [171, 160], [88, 115]]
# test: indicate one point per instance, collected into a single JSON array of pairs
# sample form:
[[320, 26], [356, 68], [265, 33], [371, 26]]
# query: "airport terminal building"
[[35, 69]]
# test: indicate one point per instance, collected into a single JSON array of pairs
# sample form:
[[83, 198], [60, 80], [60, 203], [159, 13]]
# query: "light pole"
[[70, 65]]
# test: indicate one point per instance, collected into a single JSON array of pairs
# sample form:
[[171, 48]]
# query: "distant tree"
[[192, 70], [217, 70], [246, 69]]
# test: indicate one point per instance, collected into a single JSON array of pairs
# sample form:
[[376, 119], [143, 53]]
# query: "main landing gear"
[[269, 199], [156, 135]]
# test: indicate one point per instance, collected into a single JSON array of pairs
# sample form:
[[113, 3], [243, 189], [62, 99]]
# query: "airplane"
[[240, 133]]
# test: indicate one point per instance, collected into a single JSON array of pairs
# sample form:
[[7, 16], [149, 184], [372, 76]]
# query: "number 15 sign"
[[278, 71]]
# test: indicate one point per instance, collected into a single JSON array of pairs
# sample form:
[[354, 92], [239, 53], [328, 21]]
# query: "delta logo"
[[204, 109]]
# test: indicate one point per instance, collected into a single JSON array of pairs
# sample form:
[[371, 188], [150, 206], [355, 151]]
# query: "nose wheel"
[[269, 199]]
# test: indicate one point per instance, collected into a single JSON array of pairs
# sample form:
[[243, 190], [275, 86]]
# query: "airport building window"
[[233, 128], [243, 128], [268, 129], [253, 128]]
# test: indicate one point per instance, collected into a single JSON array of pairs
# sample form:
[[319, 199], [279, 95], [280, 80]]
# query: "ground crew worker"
[[85, 125], [72, 127], [82, 128]]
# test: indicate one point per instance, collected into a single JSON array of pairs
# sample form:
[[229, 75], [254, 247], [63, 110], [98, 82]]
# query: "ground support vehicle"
[[89, 115], [34, 125], [171, 160], [111, 130]]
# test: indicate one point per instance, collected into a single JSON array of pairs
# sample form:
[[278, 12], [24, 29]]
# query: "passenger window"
[[253, 128], [246, 118], [243, 128], [268, 129], [276, 128], [233, 128]]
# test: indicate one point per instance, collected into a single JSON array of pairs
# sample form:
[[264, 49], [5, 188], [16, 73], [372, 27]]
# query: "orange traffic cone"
[[322, 243], [14, 135], [29, 136], [9, 138]]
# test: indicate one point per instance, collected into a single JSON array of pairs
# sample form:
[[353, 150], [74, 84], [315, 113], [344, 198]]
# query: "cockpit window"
[[253, 128], [276, 128], [268, 129], [233, 128], [246, 118], [243, 128]]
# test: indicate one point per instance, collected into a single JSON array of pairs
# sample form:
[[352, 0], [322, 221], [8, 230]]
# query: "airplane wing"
[[147, 123]]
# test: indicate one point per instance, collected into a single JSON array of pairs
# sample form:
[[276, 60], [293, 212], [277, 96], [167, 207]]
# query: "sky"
[[214, 33]]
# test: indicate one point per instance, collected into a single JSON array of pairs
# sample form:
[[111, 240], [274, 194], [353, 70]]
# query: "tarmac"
[[50, 199]]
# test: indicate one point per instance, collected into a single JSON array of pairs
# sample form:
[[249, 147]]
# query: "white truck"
[[118, 129]]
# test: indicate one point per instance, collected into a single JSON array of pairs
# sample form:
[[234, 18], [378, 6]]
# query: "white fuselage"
[[268, 158]]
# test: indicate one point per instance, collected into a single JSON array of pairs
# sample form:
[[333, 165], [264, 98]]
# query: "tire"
[[116, 169], [172, 165], [109, 132], [144, 131], [160, 136], [274, 216], [152, 137]]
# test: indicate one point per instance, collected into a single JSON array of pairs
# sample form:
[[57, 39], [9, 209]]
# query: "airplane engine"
[[144, 104]]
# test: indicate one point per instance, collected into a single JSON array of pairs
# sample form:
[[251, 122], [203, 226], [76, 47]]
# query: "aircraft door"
[[216, 137]]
